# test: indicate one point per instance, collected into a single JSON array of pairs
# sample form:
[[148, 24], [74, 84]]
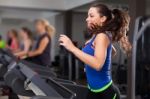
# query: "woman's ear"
[[103, 19]]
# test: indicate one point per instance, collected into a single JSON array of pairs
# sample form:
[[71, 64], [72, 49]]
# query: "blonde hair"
[[48, 27]]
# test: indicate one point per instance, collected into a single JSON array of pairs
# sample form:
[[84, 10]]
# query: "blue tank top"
[[98, 79]]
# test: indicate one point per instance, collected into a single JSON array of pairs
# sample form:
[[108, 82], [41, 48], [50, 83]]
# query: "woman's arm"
[[101, 43], [40, 49], [27, 45]]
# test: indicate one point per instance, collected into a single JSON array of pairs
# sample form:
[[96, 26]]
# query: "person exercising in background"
[[107, 26], [26, 42], [8, 39], [42, 53], [13, 40]]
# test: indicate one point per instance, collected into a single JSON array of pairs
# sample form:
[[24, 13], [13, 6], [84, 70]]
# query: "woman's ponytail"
[[48, 27], [121, 21], [50, 30]]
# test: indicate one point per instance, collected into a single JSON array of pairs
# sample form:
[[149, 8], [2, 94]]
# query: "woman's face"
[[94, 18], [23, 34], [39, 26], [10, 34]]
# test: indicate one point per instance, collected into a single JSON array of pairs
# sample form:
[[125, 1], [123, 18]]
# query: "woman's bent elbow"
[[98, 67]]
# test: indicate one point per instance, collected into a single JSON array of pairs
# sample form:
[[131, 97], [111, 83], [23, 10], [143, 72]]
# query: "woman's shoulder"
[[45, 36], [105, 35], [101, 37]]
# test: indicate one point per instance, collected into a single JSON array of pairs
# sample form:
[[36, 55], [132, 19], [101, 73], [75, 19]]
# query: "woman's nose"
[[87, 19]]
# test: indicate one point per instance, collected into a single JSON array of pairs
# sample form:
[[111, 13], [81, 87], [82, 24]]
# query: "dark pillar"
[[68, 23]]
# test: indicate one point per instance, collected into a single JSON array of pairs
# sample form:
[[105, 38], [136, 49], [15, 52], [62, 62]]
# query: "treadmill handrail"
[[33, 64], [141, 31], [137, 34], [59, 80], [74, 94], [136, 28], [8, 52]]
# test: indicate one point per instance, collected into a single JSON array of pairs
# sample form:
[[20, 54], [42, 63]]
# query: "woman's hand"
[[30, 54], [66, 42], [20, 56]]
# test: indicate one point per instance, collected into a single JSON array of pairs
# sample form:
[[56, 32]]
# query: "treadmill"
[[26, 82], [42, 70], [6, 57], [45, 72], [20, 73], [80, 90], [5, 62]]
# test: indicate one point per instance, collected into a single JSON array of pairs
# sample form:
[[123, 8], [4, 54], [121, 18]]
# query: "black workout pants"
[[111, 93]]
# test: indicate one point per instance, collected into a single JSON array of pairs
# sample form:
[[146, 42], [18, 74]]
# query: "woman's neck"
[[42, 32], [14, 38]]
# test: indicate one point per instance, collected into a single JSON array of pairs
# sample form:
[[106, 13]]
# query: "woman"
[[8, 38], [14, 42], [41, 54], [106, 27], [26, 45]]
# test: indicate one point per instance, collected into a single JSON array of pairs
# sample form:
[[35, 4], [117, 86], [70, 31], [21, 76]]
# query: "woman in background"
[[26, 42], [13, 40], [42, 53], [8, 38]]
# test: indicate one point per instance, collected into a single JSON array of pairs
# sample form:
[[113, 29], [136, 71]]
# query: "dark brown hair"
[[14, 32], [27, 31], [117, 22]]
